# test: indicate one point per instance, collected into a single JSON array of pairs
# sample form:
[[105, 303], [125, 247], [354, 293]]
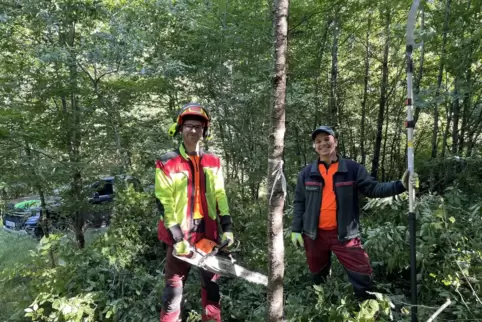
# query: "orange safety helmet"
[[191, 109]]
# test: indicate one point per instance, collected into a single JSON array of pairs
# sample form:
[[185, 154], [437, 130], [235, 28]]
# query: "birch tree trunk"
[[275, 164]]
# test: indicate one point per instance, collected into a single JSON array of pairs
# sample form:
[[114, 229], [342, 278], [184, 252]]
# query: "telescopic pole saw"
[[410, 125]]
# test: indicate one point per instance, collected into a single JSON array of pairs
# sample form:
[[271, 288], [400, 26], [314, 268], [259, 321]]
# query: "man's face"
[[192, 131], [325, 144]]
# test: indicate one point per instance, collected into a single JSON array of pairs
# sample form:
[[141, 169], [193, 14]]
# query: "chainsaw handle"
[[217, 248], [223, 244]]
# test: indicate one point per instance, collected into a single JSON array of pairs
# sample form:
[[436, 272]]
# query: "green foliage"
[[105, 78], [448, 256], [15, 293], [116, 278], [463, 172]]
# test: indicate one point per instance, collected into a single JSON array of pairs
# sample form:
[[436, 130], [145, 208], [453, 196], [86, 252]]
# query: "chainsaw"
[[208, 255]]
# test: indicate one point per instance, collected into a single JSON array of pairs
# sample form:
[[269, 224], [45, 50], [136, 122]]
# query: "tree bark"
[[276, 181], [383, 97]]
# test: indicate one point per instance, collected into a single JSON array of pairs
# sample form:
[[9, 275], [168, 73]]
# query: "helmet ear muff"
[[176, 127], [173, 129], [207, 133]]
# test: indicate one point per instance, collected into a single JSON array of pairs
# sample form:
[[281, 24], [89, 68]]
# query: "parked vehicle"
[[23, 215], [26, 220]]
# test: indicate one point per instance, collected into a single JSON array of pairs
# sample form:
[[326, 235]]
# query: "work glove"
[[182, 248], [414, 182], [297, 239], [228, 236]]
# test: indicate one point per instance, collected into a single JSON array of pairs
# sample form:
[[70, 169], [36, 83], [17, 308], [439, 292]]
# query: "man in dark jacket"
[[326, 212]]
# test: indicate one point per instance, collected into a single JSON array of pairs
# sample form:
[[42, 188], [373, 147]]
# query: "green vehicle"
[[23, 215]]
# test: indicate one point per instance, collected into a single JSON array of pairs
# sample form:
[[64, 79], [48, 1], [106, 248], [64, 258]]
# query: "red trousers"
[[176, 272], [351, 255]]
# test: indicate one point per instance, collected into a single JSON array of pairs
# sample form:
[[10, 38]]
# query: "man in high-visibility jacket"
[[189, 187]]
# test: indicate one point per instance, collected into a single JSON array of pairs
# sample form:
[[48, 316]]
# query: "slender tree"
[[439, 81], [365, 90], [383, 96], [276, 180]]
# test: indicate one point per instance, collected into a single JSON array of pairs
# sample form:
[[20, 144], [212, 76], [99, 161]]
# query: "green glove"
[[297, 239], [229, 236], [414, 181], [182, 248]]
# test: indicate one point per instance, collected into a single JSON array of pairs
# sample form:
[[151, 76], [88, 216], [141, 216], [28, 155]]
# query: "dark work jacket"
[[350, 179]]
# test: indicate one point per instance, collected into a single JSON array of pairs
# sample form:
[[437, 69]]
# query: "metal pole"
[[409, 124]]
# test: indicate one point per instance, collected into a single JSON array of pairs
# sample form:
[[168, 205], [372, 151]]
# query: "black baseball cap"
[[322, 129]]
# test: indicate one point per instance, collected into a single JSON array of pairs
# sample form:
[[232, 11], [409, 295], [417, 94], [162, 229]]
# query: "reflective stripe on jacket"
[[174, 189], [350, 179]]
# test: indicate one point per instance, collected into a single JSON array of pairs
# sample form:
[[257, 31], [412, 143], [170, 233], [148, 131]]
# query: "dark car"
[[26, 221], [103, 193]]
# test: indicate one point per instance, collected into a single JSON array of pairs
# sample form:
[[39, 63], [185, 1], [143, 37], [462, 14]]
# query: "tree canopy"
[[90, 88]]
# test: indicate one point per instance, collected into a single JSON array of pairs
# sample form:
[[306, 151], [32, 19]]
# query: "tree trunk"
[[447, 129], [467, 50], [333, 105], [455, 123], [418, 80], [383, 97], [395, 145], [466, 105], [385, 139], [439, 81], [365, 92], [37, 183], [227, 159], [317, 75], [276, 180], [44, 219], [300, 152], [75, 139], [474, 133]]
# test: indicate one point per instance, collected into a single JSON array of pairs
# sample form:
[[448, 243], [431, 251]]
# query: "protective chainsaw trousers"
[[351, 255], [176, 272]]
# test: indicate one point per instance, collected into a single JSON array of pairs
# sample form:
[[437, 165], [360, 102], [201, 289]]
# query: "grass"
[[13, 249]]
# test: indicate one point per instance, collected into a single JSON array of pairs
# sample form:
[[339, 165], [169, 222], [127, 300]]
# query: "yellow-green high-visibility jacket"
[[174, 189]]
